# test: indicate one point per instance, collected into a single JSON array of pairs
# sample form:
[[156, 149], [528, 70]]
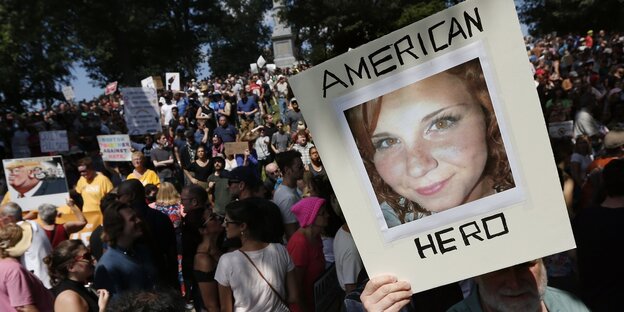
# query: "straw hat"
[[15, 238]]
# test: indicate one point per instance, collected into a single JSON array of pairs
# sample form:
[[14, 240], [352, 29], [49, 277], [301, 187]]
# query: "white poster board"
[[172, 81], [141, 110], [35, 181], [115, 147], [433, 139], [68, 93], [148, 83], [110, 88], [261, 61], [53, 141]]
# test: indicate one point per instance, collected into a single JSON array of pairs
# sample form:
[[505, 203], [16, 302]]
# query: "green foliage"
[[36, 49], [330, 27], [571, 16], [240, 35]]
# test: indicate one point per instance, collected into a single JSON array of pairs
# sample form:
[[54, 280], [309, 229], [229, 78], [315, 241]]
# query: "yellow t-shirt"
[[93, 192], [148, 177]]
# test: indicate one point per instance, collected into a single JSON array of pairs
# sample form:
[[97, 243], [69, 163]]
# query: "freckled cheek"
[[390, 166]]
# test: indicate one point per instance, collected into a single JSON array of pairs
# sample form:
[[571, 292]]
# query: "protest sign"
[[154, 82], [253, 68], [141, 110], [271, 67], [35, 181], [233, 148], [173, 81], [433, 139], [261, 61], [564, 129], [53, 141], [110, 88], [68, 93], [115, 147]]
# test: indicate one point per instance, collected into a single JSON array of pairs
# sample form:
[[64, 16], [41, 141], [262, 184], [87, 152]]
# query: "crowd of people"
[[230, 207]]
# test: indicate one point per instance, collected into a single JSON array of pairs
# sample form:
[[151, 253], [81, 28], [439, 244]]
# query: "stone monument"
[[283, 44]]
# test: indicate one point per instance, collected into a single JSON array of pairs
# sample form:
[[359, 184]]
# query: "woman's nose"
[[420, 160]]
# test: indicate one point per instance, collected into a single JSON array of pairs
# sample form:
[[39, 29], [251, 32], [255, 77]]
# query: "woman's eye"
[[386, 143], [443, 123]]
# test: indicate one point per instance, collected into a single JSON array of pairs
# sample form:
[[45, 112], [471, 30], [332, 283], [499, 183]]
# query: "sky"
[[84, 90]]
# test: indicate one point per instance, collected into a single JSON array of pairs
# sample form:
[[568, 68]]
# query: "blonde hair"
[[167, 194], [10, 235]]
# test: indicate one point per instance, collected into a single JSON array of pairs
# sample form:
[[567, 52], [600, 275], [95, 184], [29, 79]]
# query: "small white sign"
[[173, 81], [141, 110]]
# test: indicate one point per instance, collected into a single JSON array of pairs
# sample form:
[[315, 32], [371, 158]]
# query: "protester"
[[260, 275], [20, 290], [71, 267], [55, 232], [306, 248]]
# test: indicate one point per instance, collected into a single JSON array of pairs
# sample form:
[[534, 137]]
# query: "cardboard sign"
[[35, 181], [564, 129], [173, 81], [53, 141], [433, 139], [110, 88], [235, 147], [115, 147], [141, 110], [154, 82], [68, 93]]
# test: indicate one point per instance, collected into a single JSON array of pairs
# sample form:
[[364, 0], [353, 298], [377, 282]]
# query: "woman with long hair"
[[260, 276], [432, 145], [207, 257], [200, 169], [71, 267]]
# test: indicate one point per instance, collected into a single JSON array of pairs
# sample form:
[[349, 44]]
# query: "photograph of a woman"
[[432, 145]]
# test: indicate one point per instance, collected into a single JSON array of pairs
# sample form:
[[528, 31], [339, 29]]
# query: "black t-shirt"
[[201, 173]]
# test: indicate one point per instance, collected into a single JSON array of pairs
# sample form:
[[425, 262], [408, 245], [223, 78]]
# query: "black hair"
[[263, 218], [613, 178], [159, 300], [286, 159]]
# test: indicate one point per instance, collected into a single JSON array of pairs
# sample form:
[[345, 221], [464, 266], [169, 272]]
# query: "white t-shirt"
[[285, 197], [348, 261], [250, 291], [165, 110], [40, 248]]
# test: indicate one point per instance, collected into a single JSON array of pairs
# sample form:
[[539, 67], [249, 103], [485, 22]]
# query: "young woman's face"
[[430, 143]]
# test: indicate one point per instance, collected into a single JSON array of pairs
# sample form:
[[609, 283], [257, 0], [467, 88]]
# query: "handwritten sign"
[[53, 141], [115, 147], [141, 110], [233, 148], [68, 93]]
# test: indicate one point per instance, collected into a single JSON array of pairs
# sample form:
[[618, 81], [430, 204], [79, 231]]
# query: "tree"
[[329, 27], [240, 37], [126, 41], [571, 16], [36, 52]]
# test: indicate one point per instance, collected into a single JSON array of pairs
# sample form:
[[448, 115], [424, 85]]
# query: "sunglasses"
[[212, 217]]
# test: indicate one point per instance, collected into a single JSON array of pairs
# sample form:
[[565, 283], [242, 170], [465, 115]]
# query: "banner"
[[35, 181], [53, 141], [68, 93], [173, 81], [115, 147], [141, 110], [433, 139], [110, 88]]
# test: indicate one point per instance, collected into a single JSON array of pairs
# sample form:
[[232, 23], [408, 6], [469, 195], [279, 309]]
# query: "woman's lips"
[[432, 188]]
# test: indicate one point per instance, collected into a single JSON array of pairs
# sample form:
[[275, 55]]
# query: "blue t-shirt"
[[247, 106]]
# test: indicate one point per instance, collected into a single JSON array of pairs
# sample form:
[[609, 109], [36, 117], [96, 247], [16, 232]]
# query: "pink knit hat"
[[306, 210]]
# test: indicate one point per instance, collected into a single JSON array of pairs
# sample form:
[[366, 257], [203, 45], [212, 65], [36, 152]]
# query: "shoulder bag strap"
[[262, 275]]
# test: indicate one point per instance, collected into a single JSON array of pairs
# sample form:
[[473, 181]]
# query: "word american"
[[383, 60]]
